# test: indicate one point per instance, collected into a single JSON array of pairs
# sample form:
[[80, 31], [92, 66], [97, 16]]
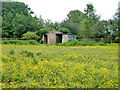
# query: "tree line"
[[17, 20]]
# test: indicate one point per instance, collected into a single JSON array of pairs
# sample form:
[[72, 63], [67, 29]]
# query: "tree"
[[73, 27], [15, 27], [95, 24], [64, 30], [41, 22], [76, 16], [22, 24], [17, 20], [56, 25], [48, 23], [90, 11], [84, 31], [15, 7], [113, 26], [43, 31], [72, 22], [100, 29], [30, 36]]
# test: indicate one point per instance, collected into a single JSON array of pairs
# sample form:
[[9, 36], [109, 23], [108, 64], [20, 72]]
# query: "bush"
[[11, 51], [76, 42], [64, 30], [30, 36], [88, 43], [44, 31], [103, 44], [28, 54], [32, 42], [20, 42], [41, 41]]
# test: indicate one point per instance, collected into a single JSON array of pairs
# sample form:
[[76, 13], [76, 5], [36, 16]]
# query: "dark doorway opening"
[[58, 38], [45, 39]]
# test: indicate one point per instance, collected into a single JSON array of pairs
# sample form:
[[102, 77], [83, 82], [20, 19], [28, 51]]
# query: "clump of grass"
[[12, 52], [39, 53], [35, 61], [27, 53]]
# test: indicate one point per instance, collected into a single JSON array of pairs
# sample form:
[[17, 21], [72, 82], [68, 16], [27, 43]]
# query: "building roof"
[[57, 32]]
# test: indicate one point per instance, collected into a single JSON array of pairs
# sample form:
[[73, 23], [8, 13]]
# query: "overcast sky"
[[57, 10]]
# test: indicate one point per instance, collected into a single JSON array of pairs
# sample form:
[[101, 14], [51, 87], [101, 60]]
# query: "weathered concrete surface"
[[51, 37]]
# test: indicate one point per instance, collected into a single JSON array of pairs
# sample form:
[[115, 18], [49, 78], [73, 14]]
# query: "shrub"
[[27, 53], [41, 41], [88, 43], [76, 42], [103, 44], [30, 36], [20, 42], [32, 42], [11, 51], [64, 30], [73, 42], [43, 31]]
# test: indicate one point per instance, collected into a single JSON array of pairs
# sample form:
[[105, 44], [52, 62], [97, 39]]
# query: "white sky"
[[57, 10]]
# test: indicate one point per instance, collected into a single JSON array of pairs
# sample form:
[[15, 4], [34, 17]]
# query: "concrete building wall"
[[65, 38], [51, 37]]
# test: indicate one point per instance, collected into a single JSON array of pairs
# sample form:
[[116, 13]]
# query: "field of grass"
[[59, 66]]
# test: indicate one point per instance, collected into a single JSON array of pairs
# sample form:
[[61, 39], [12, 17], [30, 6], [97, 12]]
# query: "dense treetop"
[[17, 20]]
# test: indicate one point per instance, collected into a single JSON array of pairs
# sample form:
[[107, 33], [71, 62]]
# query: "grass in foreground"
[[59, 66]]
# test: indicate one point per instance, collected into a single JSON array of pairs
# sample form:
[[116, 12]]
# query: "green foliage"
[[20, 42], [84, 31], [76, 16], [18, 25], [17, 20], [27, 53], [117, 39], [73, 21], [84, 24], [15, 7], [58, 40], [76, 42], [103, 44], [30, 36], [11, 51], [33, 42], [43, 31], [73, 27], [41, 41], [39, 53], [90, 11], [64, 30]]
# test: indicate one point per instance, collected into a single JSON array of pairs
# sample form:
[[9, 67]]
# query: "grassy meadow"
[[43, 66]]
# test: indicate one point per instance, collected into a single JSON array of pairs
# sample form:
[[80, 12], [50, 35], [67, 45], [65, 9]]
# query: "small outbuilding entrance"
[[45, 39], [53, 37], [58, 38]]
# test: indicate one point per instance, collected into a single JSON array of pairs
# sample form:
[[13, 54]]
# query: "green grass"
[[60, 66]]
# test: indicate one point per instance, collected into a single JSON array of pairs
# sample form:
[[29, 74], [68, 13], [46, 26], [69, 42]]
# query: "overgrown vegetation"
[[17, 20], [73, 42], [76, 42], [59, 66], [82, 64], [30, 36], [20, 42]]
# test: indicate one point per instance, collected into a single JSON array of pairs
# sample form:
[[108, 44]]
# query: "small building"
[[53, 37]]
